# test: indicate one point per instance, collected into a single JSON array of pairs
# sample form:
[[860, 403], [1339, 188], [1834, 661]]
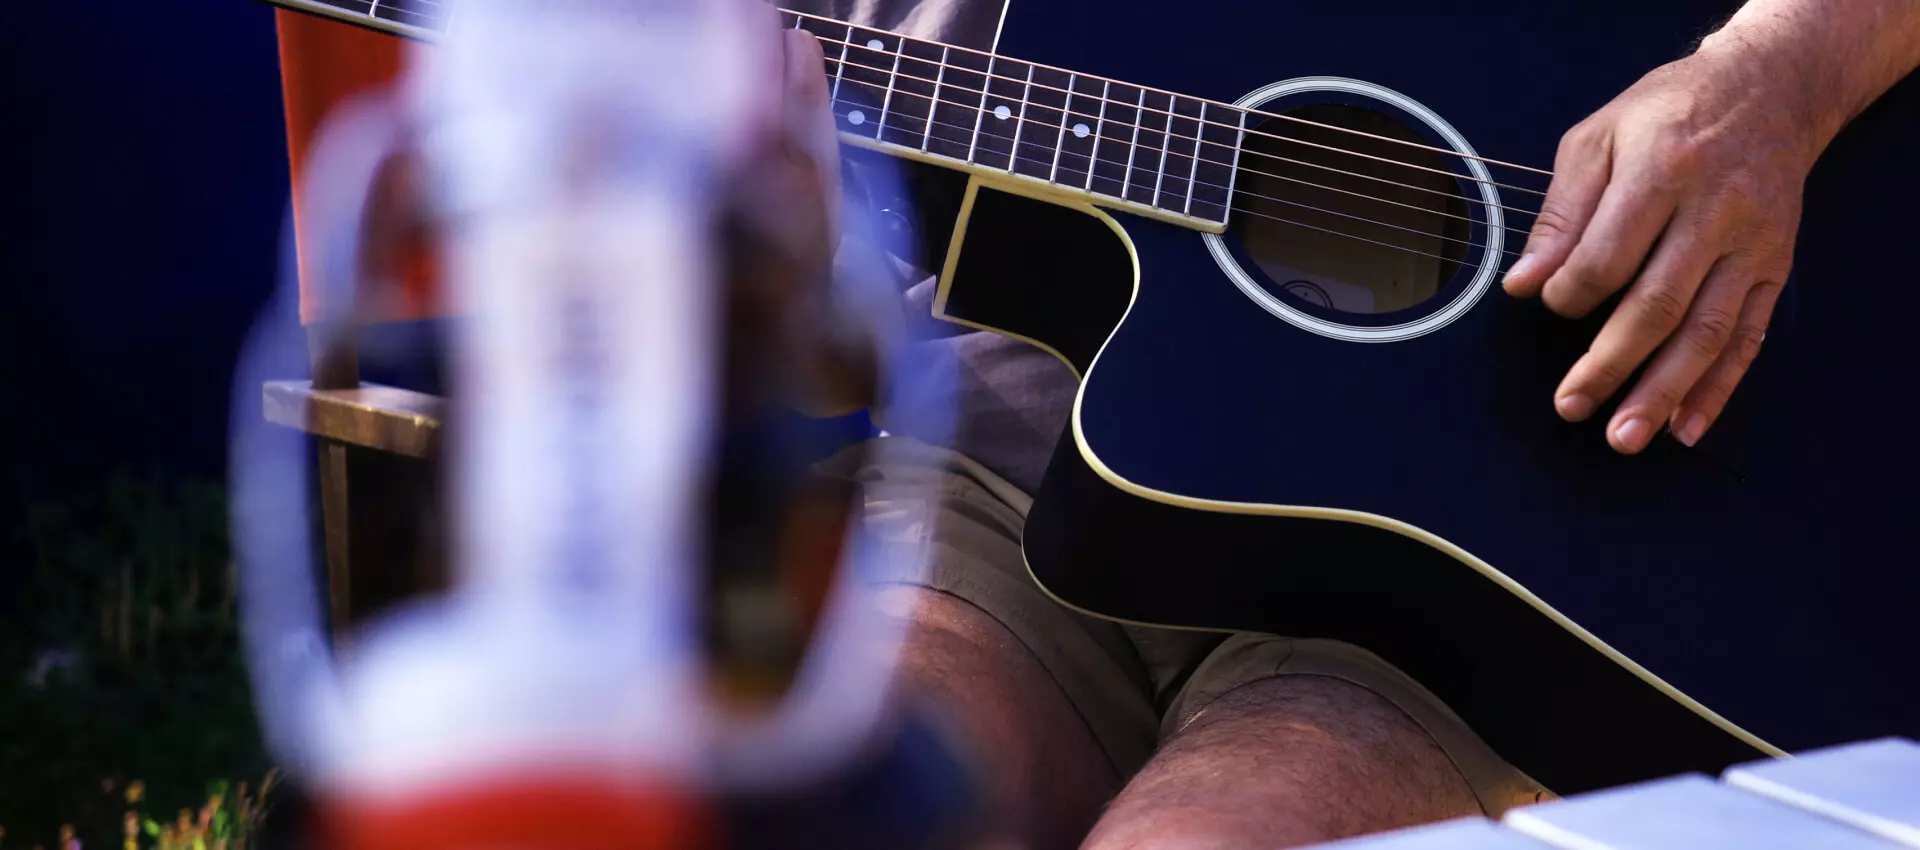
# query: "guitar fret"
[[1198, 133], [1166, 141], [1060, 140], [1099, 125], [841, 70], [1133, 149], [1020, 124], [933, 106], [899, 47], [1233, 171], [980, 115]]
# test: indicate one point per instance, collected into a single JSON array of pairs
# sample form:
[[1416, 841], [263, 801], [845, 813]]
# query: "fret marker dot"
[[856, 118], [1080, 131], [1002, 113], [876, 44]]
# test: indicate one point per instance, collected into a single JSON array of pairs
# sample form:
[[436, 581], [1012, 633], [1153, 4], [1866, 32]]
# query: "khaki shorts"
[[1132, 685]]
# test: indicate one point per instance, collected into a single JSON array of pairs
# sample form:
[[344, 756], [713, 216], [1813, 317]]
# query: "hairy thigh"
[[1044, 771], [1283, 762]]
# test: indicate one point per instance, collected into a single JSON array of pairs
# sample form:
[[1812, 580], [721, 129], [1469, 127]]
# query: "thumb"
[[809, 116]]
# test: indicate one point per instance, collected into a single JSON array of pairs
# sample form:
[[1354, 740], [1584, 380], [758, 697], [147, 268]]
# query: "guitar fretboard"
[[1121, 144], [1115, 144]]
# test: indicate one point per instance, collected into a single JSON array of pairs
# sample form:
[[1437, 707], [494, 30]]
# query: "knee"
[[1313, 712], [1286, 762], [1170, 828]]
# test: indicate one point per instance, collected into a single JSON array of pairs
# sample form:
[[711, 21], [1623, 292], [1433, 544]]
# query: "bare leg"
[[1281, 763], [1047, 775]]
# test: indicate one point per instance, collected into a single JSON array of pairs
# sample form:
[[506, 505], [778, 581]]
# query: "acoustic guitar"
[[1268, 237]]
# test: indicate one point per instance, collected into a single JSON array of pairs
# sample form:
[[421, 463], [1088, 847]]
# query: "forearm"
[[1840, 55]]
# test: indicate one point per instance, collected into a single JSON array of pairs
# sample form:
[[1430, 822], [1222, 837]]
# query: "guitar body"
[[1599, 619]]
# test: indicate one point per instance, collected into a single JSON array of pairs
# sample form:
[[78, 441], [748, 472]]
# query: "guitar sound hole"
[[1339, 230]]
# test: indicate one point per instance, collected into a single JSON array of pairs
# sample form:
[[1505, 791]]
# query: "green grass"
[[135, 587]]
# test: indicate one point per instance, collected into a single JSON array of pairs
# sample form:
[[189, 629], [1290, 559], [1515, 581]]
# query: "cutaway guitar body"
[[1166, 558]]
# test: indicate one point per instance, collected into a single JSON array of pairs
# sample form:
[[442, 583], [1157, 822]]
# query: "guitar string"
[[1251, 152], [1360, 238], [1169, 136], [1340, 233], [995, 56], [1198, 138], [1466, 242], [1366, 196], [1414, 230], [1197, 182], [1014, 155], [900, 52], [1242, 168]]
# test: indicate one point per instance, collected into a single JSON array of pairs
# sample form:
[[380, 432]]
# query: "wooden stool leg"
[[379, 512], [336, 525], [335, 366]]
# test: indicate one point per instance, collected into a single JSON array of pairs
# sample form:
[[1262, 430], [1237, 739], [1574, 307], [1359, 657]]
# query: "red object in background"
[[324, 63], [547, 812]]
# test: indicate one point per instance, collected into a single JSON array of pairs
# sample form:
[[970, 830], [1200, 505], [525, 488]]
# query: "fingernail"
[[1632, 434], [1695, 427], [1574, 407], [1518, 268]]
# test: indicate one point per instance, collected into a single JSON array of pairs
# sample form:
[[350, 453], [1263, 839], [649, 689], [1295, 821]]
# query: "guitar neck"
[[1050, 130], [424, 20]]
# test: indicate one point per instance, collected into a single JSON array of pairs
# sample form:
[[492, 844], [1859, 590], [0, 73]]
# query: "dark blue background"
[[145, 194]]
